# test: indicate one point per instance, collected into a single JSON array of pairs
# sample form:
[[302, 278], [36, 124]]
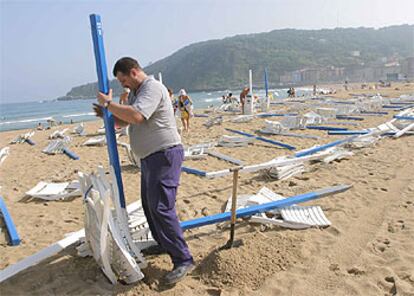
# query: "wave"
[[26, 120], [212, 100], [79, 114]]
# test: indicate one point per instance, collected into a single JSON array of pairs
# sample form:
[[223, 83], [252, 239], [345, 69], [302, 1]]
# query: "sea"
[[26, 115]]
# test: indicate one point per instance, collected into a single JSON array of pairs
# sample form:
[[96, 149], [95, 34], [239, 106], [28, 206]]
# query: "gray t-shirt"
[[159, 130]]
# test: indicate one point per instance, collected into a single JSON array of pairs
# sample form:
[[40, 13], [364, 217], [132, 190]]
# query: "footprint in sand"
[[382, 245], [396, 226], [356, 271]]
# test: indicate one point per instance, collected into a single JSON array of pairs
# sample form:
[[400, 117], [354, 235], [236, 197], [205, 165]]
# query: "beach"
[[366, 251]]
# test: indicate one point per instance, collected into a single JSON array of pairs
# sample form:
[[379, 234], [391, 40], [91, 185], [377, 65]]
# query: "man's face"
[[125, 80]]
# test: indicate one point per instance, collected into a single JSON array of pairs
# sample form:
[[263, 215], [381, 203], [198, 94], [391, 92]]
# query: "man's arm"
[[123, 113], [118, 122]]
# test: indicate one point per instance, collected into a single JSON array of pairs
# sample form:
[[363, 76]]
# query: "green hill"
[[222, 64]]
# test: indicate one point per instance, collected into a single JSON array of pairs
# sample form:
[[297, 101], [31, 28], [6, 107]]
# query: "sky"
[[46, 46]]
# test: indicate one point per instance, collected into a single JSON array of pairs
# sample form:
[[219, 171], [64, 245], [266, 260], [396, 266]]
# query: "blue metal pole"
[[249, 211], [323, 147], [266, 83], [360, 132], [103, 82], [349, 117], [11, 229], [399, 117], [193, 171], [262, 139], [326, 128]]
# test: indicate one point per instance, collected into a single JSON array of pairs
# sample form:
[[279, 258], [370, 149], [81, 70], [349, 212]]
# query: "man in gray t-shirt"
[[155, 140]]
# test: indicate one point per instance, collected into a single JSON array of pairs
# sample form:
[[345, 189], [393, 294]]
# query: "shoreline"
[[321, 86]]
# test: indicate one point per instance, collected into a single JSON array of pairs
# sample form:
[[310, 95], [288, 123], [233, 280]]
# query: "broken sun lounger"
[[294, 217], [55, 191], [4, 152], [59, 146]]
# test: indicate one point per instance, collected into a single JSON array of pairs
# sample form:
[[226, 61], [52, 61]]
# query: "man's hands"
[[98, 110], [104, 99]]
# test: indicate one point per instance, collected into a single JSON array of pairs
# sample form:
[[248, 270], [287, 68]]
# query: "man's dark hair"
[[125, 65]]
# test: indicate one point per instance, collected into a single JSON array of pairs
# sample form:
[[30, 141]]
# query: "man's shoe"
[[153, 250], [178, 273]]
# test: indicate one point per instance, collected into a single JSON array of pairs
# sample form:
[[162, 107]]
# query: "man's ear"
[[134, 72]]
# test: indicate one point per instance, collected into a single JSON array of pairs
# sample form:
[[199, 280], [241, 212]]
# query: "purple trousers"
[[160, 177]]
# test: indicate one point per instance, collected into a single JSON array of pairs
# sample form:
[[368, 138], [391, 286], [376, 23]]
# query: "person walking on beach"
[[243, 96], [174, 102], [185, 106], [155, 141]]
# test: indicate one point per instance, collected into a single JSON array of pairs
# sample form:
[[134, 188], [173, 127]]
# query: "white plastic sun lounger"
[[131, 156], [58, 134], [55, 191], [242, 118], [276, 128], [234, 141], [213, 121], [294, 217], [59, 146], [23, 138], [80, 129], [95, 141], [107, 232], [4, 152], [286, 171], [71, 239], [195, 153]]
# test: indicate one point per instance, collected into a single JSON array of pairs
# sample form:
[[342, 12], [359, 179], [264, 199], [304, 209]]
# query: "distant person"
[[123, 98], [185, 106], [40, 127], [173, 100], [314, 89], [230, 98], [293, 93], [243, 96], [224, 99]]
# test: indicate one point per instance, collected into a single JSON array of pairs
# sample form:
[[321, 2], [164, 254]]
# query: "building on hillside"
[[407, 67]]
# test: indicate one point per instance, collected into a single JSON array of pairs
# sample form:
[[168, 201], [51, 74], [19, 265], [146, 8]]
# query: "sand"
[[366, 251]]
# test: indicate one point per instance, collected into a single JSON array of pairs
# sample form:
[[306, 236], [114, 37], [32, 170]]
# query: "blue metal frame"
[[11, 228], [266, 83], [275, 115], [189, 170], [355, 132], [399, 117], [326, 128], [323, 147], [70, 154], [103, 82], [345, 117], [277, 143]]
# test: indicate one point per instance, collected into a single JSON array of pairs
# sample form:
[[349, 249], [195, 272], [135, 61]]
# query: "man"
[[243, 95], [154, 139]]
